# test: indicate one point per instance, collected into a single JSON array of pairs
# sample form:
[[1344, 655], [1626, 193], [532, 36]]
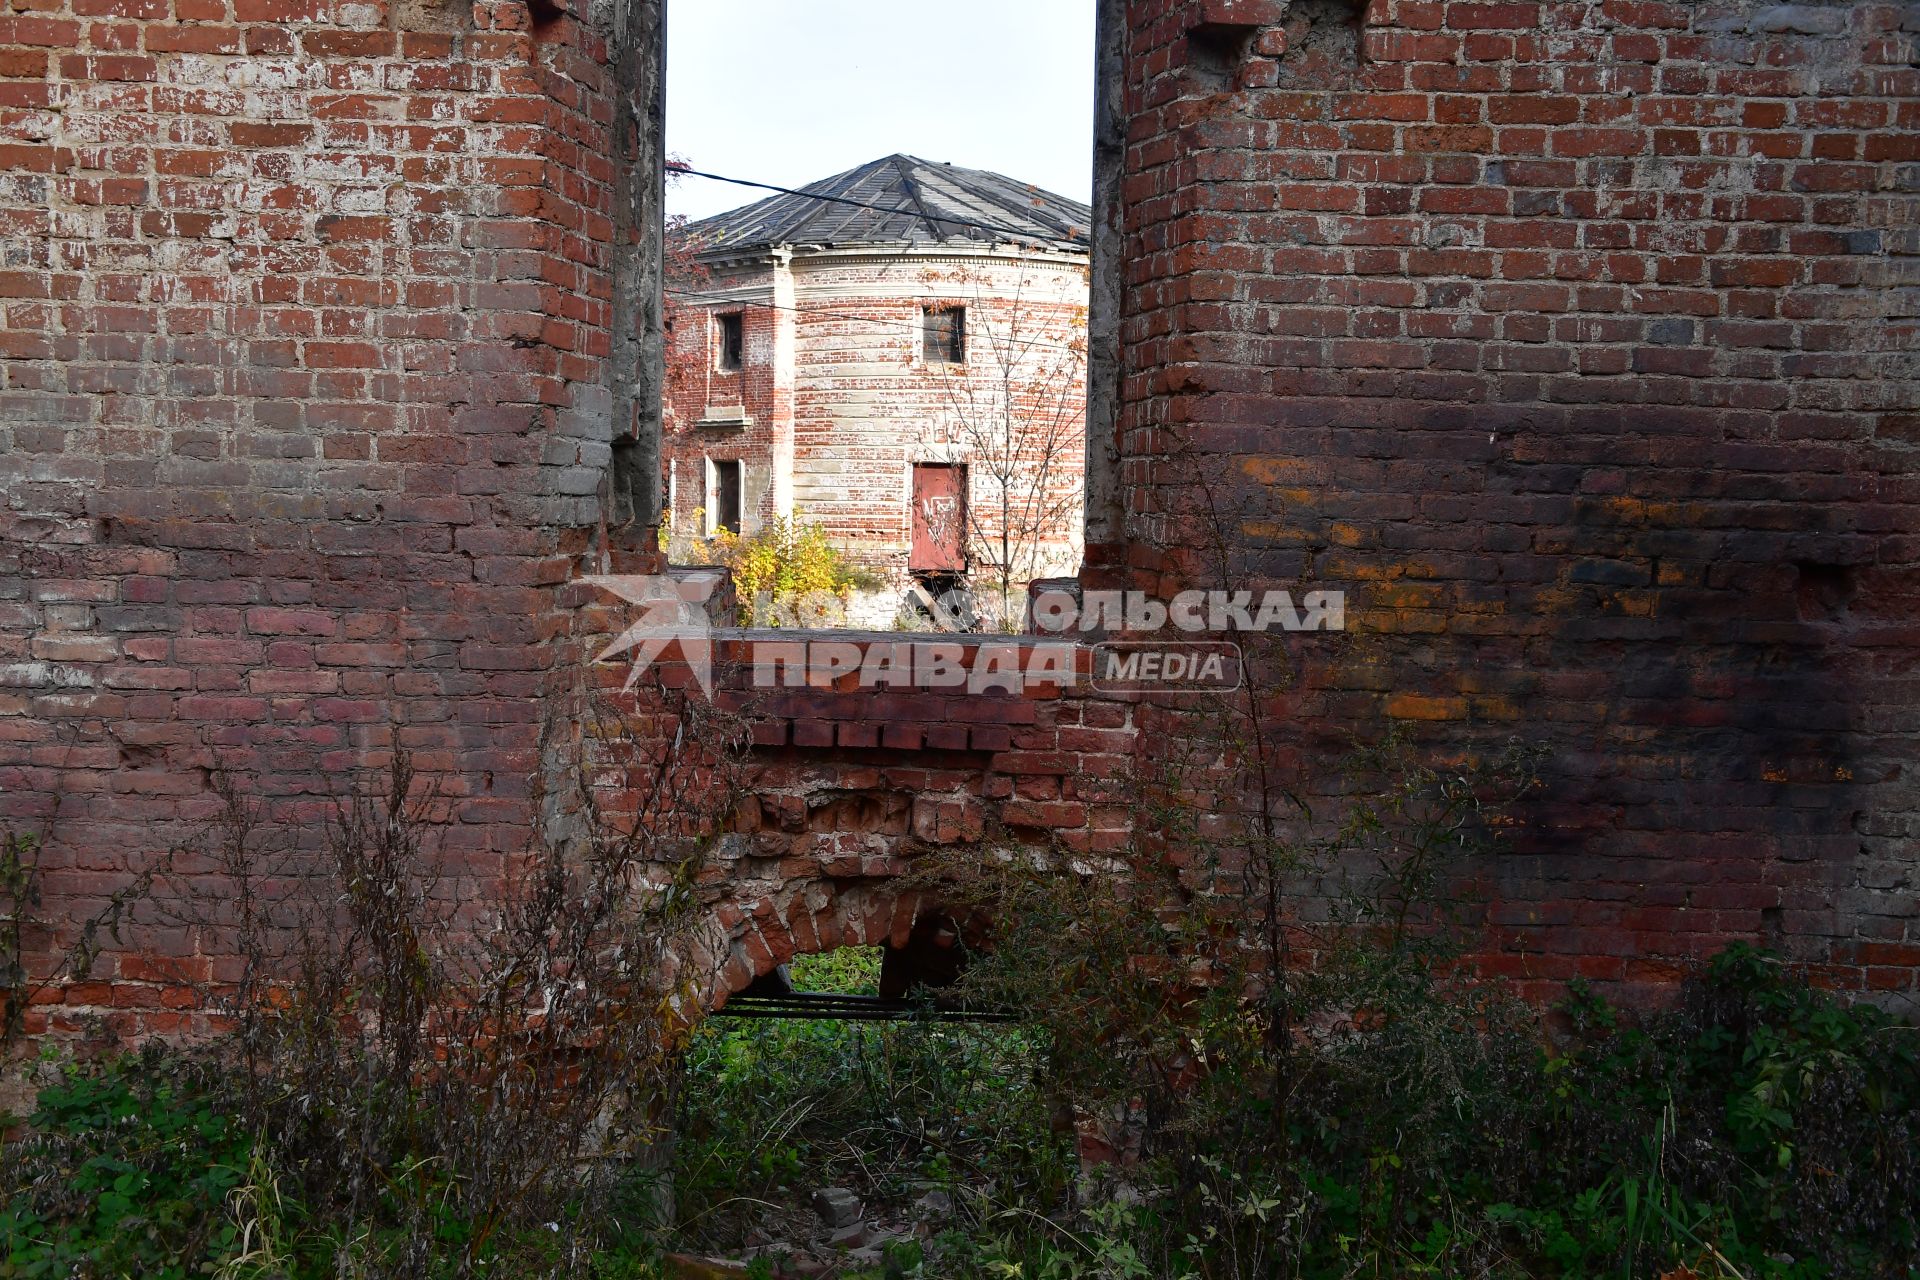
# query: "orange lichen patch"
[[1272, 531], [1633, 604], [1670, 574], [1344, 534], [1413, 706], [1274, 471], [1407, 595], [1556, 600], [1623, 509], [1675, 515], [1356, 570]]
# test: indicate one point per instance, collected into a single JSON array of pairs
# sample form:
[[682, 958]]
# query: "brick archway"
[[743, 941], [842, 794]]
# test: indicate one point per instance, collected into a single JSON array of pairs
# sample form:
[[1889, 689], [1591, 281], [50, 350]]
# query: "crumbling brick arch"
[[845, 809], [749, 939]]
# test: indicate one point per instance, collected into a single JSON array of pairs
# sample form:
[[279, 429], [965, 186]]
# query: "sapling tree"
[[1015, 412]]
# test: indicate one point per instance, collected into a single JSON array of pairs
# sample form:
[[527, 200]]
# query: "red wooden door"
[[939, 517]]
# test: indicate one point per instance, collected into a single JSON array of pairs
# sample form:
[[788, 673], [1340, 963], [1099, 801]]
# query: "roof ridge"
[[904, 168]]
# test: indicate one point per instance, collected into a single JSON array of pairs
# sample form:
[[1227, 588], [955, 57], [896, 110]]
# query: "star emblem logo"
[[673, 610]]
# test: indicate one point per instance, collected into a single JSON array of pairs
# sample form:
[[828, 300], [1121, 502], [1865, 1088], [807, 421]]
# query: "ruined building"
[[898, 356], [1573, 339]]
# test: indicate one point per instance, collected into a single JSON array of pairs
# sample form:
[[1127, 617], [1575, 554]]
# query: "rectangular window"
[[723, 495], [946, 335], [730, 333]]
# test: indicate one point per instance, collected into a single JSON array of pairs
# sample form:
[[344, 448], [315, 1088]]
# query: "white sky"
[[791, 91]]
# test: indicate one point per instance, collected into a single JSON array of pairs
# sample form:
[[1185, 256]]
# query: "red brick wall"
[[301, 420], [698, 390], [1576, 340]]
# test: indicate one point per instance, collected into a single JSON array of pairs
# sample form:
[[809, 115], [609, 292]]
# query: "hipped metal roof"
[[916, 202]]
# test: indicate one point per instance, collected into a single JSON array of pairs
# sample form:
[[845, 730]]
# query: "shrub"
[[415, 1088], [787, 574], [124, 1170], [1376, 1111], [1795, 1117], [1448, 1133], [436, 1087]]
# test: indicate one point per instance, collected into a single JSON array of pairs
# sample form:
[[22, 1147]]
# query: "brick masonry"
[[303, 420], [1574, 339], [1577, 341]]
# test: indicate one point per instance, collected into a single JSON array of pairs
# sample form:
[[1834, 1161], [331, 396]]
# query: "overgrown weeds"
[[441, 1076], [1369, 1109], [894, 1112], [1330, 1092], [433, 1063], [126, 1171], [1757, 1129], [20, 901], [1430, 1127]]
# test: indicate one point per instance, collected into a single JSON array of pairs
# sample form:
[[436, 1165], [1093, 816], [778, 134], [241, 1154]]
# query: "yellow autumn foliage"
[[786, 560]]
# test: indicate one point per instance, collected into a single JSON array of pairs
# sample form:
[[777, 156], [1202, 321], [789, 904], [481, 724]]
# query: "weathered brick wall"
[[302, 418], [1577, 341], [1574, 339], [699, 392]]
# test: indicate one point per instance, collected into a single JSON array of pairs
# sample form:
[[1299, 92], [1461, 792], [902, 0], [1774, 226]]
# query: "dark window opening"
[[724, 501], [731, 331], [946, 335]]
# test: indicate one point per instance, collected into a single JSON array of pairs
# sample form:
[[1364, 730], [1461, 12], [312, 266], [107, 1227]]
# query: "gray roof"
[[918, 202]]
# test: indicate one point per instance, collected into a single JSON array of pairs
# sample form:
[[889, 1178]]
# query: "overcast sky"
[[791, 91]]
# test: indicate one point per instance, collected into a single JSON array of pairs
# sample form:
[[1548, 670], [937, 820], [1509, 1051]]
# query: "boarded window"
[[946, 335], [731, 337], [723, 498], [939, 518]]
